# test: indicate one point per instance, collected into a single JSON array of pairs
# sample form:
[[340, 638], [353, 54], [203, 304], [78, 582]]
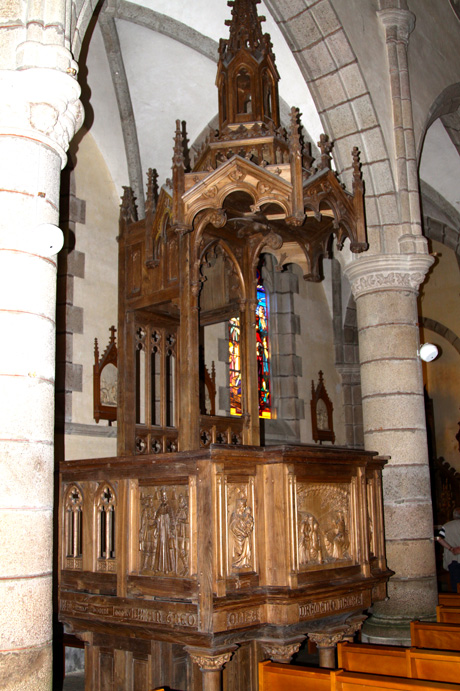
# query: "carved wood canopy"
[[253, 188]]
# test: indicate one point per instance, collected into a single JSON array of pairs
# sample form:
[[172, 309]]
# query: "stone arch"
[[446, 103], [438, 328], [339, 90]]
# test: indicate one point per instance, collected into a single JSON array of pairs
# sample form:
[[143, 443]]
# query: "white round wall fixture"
[[46, 239], [428, 352]]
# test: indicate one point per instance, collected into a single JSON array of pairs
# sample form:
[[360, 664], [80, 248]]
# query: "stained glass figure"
[[235, 366], [263, 354]]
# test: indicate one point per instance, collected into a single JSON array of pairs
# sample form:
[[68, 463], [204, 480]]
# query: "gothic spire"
[[245, 30]]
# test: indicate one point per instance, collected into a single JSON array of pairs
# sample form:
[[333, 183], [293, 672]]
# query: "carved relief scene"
[[164, 533], [324, 525]]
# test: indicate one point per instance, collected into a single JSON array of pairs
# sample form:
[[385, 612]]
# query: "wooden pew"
[[434, 635], [413, 663], [448, 615], [449, 599], [277, 677]]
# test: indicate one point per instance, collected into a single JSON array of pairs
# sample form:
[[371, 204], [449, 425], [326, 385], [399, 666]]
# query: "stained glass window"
[[263, 353], [235, 366], [263, 357]]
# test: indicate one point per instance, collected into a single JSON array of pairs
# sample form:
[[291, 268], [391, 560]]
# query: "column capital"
[[210, 660], [281, 651], [398, 23], [403, 273], [328, 639], [41, 104]]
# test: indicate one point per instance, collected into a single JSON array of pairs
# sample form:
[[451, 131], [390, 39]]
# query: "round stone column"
[[39, 113], [385, 289]]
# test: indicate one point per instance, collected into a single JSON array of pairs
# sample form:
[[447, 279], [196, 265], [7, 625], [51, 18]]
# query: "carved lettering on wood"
[[178, 617], [311, 610], [164, 534], [323, 524]]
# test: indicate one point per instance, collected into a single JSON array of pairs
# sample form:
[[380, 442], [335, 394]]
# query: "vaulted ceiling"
[[146, 64]]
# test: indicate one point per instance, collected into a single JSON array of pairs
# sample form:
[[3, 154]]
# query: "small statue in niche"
[[241, 527], [165, 554], [322, 423]]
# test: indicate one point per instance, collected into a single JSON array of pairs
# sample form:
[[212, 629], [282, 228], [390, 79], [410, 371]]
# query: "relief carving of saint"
[[241, 527], [337, 538], [309, 541], [165, 553]]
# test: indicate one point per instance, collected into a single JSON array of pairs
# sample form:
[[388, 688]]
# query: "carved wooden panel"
[[324, 525], [165, 531], [241, 551]]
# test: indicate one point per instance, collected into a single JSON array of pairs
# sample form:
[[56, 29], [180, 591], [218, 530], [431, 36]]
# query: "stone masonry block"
[[288, 323], [388, 307], [381, 174], [331, 91], [316, 61], [74, 377], [340, 48], [404, 556], [24, 547], [286, 282], [76, 264], [409, 520], [364, 112], [396, 411], [25, 611], [403, 446], [342, 120], [74, 319], [302, 30], [31, 668], [325, 17], [287, 387], [388, 376], [414, 598], [65, 289], [289, 8], [222, 350], [404, 483]]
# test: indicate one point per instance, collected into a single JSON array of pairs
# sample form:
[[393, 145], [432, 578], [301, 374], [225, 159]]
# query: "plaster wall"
[[97, 292], [315, 346], [439, 301]]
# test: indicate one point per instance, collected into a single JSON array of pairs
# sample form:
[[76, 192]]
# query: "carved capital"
[[280, 652], [42, 103], [328, 639], [208, 660], [353, 625], [403, 273], [398, 24]]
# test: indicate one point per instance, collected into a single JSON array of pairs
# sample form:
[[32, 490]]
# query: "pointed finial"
[[325, 146], [357, 176], [128, 209], [178, 158], [152, 191], [113, 331], [294, 139]]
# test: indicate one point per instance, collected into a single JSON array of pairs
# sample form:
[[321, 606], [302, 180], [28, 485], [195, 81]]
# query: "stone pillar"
[[385, 289], [39, 113], [211, 663]]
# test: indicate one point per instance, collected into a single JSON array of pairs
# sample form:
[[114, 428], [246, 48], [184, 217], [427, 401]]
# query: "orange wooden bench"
[[413, 663], [448, 615], [278, 677], [449, 599], [435, 635]]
